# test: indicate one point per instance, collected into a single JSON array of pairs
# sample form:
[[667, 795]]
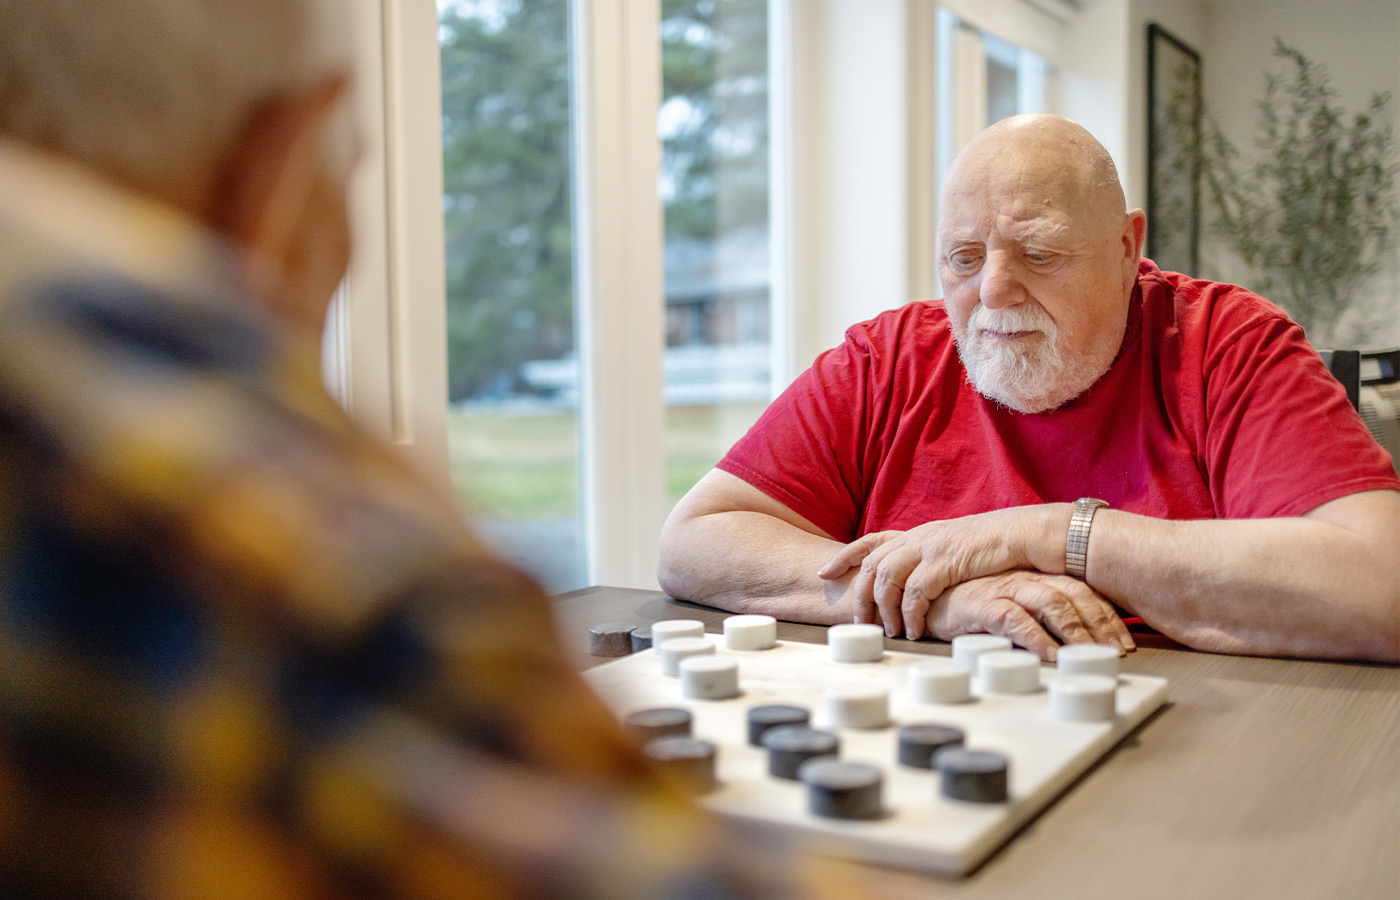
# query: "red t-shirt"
[[1216, 407]]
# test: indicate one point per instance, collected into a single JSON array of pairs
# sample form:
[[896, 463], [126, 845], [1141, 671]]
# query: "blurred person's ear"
[[280, 197]]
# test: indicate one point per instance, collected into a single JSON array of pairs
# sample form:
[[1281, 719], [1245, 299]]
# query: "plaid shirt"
[[244, 650]]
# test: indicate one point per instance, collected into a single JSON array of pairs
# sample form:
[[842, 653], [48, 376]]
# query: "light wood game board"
[[920, 829]]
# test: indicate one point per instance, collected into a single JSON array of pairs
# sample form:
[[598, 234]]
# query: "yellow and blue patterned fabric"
[[245, 651]]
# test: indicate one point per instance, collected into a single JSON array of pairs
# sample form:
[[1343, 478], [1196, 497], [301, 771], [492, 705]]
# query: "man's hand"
[[1030, 608], [902, 572]]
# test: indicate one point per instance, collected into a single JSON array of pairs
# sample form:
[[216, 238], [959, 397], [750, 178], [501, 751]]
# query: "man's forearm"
[[751, 562], [1288, 587]]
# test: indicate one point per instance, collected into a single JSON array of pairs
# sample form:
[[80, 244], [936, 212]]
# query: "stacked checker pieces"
[[906, 758]]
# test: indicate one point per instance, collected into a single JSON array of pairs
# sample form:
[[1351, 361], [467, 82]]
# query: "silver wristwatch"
[[1077, 545]]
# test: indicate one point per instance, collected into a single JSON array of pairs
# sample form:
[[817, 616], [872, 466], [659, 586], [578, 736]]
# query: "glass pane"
[[510, 321], [1003, 81], [714, 182]]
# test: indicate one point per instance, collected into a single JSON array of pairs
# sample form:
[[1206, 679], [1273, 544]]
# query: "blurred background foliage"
[[1312, 209]]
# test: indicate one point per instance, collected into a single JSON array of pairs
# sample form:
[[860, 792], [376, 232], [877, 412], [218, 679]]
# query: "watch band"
[[1077, 544]]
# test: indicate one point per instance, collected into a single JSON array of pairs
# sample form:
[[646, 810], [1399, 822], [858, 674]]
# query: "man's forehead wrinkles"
[[1013, 227], [957, 235], [1010, 228]]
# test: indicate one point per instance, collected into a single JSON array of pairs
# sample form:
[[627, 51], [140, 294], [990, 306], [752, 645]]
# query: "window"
[[991, 60], [714, 127], [646, 216], [515, 370], [513, 375], [982, 78], [1015, 79]]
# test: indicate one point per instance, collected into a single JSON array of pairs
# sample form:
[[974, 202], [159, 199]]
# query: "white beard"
[[1027, 379]]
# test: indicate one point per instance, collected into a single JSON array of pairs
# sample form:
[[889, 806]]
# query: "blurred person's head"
[[1038, 256], [234, 112]]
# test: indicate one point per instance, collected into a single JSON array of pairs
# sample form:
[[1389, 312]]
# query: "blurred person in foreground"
[[940, 471], [244, 650]]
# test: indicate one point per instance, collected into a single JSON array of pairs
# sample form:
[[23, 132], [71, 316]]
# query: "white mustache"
[[1020, 318]]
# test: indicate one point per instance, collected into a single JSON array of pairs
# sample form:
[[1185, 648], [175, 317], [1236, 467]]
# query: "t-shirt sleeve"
[[805, 451], [1282, 438]]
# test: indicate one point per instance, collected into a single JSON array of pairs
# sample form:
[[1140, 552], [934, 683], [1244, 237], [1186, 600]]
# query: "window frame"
[[384, 353], [385, 344], [618, 286]]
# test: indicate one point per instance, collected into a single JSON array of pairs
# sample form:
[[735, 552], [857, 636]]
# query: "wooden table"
[[1260, 778]]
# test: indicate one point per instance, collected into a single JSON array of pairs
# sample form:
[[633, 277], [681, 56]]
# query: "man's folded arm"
[[729, 545], [1326, 584]]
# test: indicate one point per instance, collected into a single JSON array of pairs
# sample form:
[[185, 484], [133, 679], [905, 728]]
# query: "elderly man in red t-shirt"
[[1069, 435]]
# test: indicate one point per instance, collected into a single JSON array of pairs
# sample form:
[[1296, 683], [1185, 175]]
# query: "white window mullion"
[[384, 354], [417, 271], [970, 106], [800, 185], [355, 348], [945, 82], [1031, 85], [781, 192], [923, 115], [619, 285], [962, 87]]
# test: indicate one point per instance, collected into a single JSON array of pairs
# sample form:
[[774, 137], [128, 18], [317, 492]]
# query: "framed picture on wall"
[[1173, 152]]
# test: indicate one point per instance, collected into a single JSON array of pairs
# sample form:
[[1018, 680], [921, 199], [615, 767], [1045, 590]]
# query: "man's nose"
[[1001, 285]]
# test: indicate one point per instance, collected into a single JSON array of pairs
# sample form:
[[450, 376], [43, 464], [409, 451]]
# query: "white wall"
[[1094, 77], [865, 138], [850, 188]]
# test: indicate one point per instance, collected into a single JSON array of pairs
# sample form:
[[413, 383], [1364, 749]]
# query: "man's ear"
[[269, 170], [1134, 233]]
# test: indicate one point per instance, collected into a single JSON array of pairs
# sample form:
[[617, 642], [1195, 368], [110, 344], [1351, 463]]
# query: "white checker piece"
[[921, 829]]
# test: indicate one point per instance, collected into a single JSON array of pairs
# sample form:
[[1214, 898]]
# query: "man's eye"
[[964, 262], [1038, 256]]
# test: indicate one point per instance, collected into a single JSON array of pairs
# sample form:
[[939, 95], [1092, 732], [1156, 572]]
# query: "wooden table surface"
[[1260, 778]]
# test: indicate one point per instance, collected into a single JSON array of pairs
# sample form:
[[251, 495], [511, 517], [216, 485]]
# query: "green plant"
[[1315, 215]]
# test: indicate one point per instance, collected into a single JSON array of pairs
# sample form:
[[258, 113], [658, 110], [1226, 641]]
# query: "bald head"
[[150, 92], [1050, 154], [233, 112]]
